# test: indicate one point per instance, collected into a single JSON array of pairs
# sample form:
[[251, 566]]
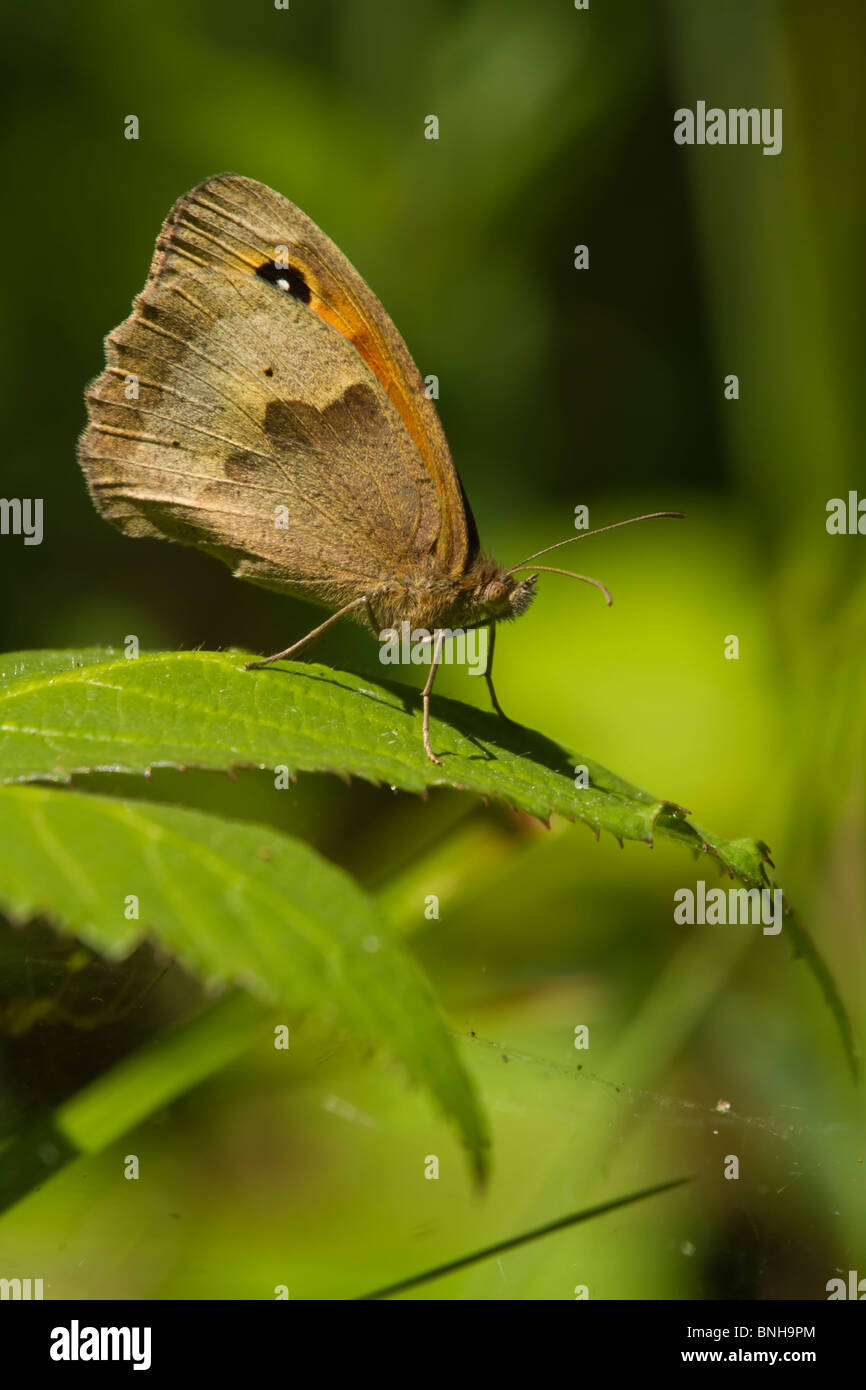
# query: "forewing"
[[234, 222], [234, 418]]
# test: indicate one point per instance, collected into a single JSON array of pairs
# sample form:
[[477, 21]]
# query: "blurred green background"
[[558, 387]]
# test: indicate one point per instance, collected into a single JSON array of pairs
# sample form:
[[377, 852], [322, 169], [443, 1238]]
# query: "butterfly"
[[259, 404]]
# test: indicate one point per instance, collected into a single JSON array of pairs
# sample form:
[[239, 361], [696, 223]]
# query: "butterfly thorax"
[[483, 593]]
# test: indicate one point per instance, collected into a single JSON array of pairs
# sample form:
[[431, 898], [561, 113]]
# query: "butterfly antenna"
[[570, 574], [650, 516]]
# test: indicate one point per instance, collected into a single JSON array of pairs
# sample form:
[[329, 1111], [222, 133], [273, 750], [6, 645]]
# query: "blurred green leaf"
[[125, 1095], [236, 904]]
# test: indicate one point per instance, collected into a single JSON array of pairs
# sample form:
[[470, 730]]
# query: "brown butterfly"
[[258, 403]]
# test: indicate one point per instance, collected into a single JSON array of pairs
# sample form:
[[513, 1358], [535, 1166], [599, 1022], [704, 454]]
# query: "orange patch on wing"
[[352, 327]]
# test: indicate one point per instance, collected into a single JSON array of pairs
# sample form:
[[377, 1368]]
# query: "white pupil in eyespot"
[[283, 285]]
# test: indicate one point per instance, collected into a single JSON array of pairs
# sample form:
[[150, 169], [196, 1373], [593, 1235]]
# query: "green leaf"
[[66, 712], [238, 904], [75, 712]]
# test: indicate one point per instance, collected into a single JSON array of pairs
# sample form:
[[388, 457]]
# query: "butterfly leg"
[[488, 676], [425, 699], [310, 638], [371, 618]]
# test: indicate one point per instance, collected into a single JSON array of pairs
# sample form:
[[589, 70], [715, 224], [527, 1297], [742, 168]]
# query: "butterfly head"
[[504, 597]]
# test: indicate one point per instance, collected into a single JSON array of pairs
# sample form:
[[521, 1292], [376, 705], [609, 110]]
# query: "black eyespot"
[[286, 278], [269, 371]]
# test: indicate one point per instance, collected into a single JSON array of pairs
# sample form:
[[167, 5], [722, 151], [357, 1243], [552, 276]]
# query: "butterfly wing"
[[259, 404]]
